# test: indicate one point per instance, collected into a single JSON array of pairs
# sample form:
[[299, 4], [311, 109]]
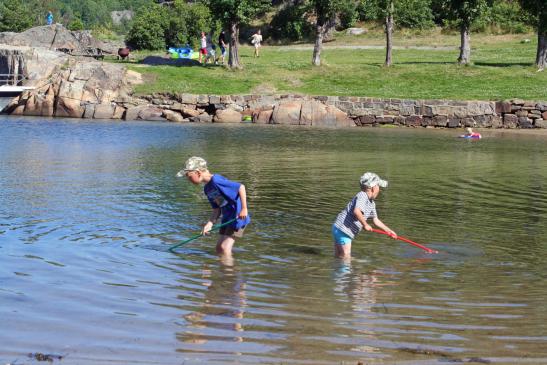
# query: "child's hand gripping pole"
[[218, 226], [426, 249]]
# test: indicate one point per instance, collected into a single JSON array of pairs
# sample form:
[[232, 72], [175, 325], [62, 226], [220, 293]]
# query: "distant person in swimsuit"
[[471, 134]]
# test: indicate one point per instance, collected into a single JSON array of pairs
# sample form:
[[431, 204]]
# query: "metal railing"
[[12, 79]]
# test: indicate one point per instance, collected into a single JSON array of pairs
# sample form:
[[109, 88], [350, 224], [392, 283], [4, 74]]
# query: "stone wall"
[[340, 111]]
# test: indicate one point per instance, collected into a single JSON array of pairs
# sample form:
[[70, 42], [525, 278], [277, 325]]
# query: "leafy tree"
[[538, 8], [14, 16], [414, 14], [186, 22], [389, 10], [234, 13], [291, 22], [465, 12], [326, 12], [149, 26]]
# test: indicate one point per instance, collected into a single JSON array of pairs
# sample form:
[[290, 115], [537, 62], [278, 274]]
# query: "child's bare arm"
[[212, 219], [381, 224], [243, 195], [361, 218]]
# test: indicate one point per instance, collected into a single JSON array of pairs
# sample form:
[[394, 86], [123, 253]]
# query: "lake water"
[[87, 210]]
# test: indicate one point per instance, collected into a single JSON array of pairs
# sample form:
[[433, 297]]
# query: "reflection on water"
[[88, 208]]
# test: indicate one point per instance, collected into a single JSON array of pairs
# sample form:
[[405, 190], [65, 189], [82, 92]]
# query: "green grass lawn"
[[502, 69]]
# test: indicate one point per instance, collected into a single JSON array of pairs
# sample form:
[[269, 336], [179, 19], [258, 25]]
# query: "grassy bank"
[[502, 69]]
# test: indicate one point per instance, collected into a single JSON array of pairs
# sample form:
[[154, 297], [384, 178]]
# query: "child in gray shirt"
[[353, 218]]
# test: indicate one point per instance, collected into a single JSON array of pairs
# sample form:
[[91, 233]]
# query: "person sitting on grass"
[[227, 198], [353, 218]]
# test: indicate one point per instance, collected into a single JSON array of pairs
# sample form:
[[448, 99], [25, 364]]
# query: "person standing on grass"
[[227, 198], [353, 218], [223, 45], [256, 39], [203, 48]]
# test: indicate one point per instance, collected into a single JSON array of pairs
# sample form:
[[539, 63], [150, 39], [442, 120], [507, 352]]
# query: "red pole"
[[426, 249]]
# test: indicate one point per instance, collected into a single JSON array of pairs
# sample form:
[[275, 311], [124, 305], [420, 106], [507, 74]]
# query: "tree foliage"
[[186, 22], [14, 16], [149, 27], [291, 22]]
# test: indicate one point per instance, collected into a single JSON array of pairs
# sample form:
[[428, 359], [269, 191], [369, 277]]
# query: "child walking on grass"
[[354, 217], [227, 198]]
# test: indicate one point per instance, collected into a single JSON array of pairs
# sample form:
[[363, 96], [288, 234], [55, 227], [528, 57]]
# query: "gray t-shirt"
[[347, 222]]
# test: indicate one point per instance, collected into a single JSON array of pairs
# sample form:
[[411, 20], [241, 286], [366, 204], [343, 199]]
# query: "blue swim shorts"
[[340, 238]]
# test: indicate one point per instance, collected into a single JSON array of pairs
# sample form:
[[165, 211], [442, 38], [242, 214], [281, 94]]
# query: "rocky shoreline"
[[80, 87]]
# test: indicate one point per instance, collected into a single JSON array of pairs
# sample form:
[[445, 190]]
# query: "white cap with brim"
[[370, 179], [194, 163]]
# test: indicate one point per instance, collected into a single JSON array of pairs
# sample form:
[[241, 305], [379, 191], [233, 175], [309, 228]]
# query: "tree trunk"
[[233, 52], [320, 32], [541, 56], [465, 45], [389, 34]]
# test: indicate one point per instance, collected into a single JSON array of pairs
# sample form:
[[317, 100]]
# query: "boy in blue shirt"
[[354, 217], [227, 198]]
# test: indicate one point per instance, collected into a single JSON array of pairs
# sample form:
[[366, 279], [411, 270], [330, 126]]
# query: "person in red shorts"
[[203, 48]]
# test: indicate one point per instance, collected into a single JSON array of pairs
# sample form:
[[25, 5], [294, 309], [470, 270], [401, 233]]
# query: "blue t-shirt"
[[224, 194]]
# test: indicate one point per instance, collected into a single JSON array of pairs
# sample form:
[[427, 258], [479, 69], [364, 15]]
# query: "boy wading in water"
[[354, 217], [228, 198]]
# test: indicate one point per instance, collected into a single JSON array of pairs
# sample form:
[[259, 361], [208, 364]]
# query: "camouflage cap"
[[370, 179], [194, 163]]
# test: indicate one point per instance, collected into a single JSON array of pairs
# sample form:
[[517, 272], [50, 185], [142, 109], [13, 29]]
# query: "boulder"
[[510, 120], [119, 112], [173, 116], [262, 116], [151, 113], [187, 112], [312, 112], [356, 31], [287, 112], [104, 111], [132, 113], [89, 111], [227, 116], [69, 108], [503, 107]]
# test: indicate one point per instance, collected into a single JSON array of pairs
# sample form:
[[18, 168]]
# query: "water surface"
[[87, 210]]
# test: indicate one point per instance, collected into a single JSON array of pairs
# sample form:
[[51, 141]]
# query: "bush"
[[76, 24], [504, 17], [291, 23], [368, 10], [348, 14], [414, 14]]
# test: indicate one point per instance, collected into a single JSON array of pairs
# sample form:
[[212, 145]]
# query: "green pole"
[[214, 228]]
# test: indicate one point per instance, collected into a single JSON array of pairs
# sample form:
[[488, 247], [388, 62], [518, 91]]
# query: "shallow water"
[[87, 210]]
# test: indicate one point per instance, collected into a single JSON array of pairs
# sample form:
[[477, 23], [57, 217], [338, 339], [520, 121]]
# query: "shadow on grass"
[[504, 64], [161, 61], [426, 63]]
